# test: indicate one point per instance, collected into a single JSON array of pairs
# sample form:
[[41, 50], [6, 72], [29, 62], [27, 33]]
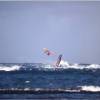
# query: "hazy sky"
[[68, 28]]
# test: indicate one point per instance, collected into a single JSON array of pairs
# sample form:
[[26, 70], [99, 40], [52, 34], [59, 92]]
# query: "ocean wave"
[[65, 64], [12, 68], [91, 88], [39, 66], [79, 89]]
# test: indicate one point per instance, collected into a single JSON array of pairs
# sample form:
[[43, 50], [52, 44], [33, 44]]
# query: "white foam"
[[63, 65], [91, 88], [26, 89], [93, 66], [66, 65], [12, 68], [27, 81]]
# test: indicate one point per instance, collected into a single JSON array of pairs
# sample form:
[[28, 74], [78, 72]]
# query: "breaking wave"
[[39, 66], [85, 89], [91, 88], [12, 68], [76, 89], [65, 64]]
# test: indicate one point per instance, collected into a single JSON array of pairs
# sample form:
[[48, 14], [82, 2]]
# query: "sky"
[[68, 28]]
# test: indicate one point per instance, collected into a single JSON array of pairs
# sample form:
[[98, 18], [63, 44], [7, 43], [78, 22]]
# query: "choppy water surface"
[[45, 76]]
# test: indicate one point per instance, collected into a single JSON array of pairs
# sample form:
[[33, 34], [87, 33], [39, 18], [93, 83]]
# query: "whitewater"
[[45, 81], [43, 66]]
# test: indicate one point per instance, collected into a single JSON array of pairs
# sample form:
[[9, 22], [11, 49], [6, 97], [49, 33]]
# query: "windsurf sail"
[[59, 60], [48, 52]]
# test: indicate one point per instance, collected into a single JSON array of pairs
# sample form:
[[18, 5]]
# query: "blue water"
[[34, 76]]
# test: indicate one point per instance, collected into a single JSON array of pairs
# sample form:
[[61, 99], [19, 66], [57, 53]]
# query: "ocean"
[[45, 81]]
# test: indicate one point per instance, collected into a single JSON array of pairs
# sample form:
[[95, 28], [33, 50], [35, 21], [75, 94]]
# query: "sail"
[[48, 52]]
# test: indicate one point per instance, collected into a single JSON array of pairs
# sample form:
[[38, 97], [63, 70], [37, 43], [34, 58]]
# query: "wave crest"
[[12, 68], [91, 88], [40, 66]]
